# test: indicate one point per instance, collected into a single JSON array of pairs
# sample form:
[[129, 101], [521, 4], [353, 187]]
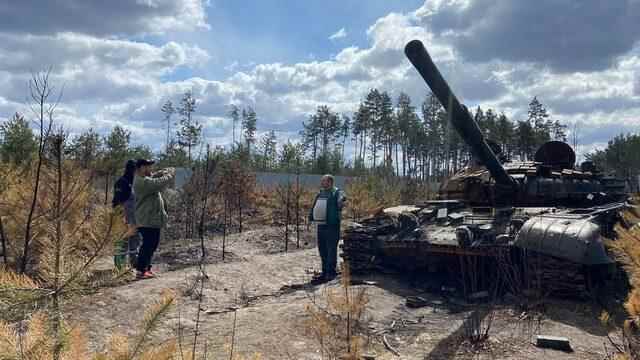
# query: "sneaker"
[[144, 275]]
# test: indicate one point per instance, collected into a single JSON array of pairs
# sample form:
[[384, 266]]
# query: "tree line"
[[417, 141], [380, 136], [620, 158]]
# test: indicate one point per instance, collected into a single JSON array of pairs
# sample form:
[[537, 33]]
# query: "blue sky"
[[121, 60], [281, 31]]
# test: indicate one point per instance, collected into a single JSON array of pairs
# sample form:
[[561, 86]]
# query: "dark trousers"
[[150, 240], [328, 236]]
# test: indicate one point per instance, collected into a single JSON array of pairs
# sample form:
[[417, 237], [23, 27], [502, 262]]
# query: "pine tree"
[[268, 144], [168, 111], [85, 148], [526, 140], [174, 157], [388, 128], [17, 142], [406, 119], [491, 120], [190, 131], [558, 131], [538, 119], [372, 104], [330, 126], [290, 157], [117, 144], [235, 118], [505, 134], [361, 123], [249, 122], [140, 152], [310, 136], [433, 141], [326, 127], [479, 118], [116, 154], [344, 132], [620, 158]]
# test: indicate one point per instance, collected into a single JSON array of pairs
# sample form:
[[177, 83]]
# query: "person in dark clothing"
[[123, 195], [151, 214], [326, 212]]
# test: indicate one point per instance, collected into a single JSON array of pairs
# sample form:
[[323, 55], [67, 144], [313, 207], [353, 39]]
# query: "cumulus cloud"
[[565, 35], [92, 69], [342, 33], [95, 17], [112, 81]]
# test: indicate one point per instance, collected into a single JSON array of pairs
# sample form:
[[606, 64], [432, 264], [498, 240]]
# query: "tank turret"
[[549, 180]]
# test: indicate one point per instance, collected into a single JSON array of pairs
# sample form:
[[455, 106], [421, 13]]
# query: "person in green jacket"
[[151, 215], [326, 212]]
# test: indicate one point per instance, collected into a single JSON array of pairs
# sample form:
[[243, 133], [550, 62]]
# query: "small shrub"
[[338, 326]]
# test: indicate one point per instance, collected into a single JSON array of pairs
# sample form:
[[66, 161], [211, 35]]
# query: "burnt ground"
[[268, 290]]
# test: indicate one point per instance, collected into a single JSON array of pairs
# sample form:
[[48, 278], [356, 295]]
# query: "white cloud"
[[232, 67], [567, 35], [92, 69], [103, 18], [340, 34], [115, 81]]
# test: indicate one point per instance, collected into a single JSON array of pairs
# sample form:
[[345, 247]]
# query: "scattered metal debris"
[[388, 346], [553, 342]]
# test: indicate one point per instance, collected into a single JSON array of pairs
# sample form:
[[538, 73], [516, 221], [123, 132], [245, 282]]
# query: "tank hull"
[[558, 250]]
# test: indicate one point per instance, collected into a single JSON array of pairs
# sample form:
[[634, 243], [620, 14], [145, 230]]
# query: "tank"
[[542, 221]]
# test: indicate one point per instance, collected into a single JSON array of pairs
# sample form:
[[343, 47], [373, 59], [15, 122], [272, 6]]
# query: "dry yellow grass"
[[36, 341], [626, 249]]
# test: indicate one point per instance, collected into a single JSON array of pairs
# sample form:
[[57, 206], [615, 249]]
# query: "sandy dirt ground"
[[267, 292]]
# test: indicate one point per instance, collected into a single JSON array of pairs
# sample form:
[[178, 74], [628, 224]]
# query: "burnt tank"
[[544, 219]]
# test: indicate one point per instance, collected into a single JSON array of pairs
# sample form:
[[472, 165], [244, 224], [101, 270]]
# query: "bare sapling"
[[206, 192], [225, 217], [297, 209], [40, 91], [473, 274], [284, 197], [208, 170]]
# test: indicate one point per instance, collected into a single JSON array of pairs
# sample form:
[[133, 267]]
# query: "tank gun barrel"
[[460, 118]]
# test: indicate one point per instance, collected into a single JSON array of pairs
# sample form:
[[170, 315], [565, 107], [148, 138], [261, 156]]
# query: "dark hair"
[[144, 162], [130, 169]]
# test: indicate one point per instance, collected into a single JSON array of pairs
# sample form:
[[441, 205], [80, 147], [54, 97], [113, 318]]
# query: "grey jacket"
[[150, 209]]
